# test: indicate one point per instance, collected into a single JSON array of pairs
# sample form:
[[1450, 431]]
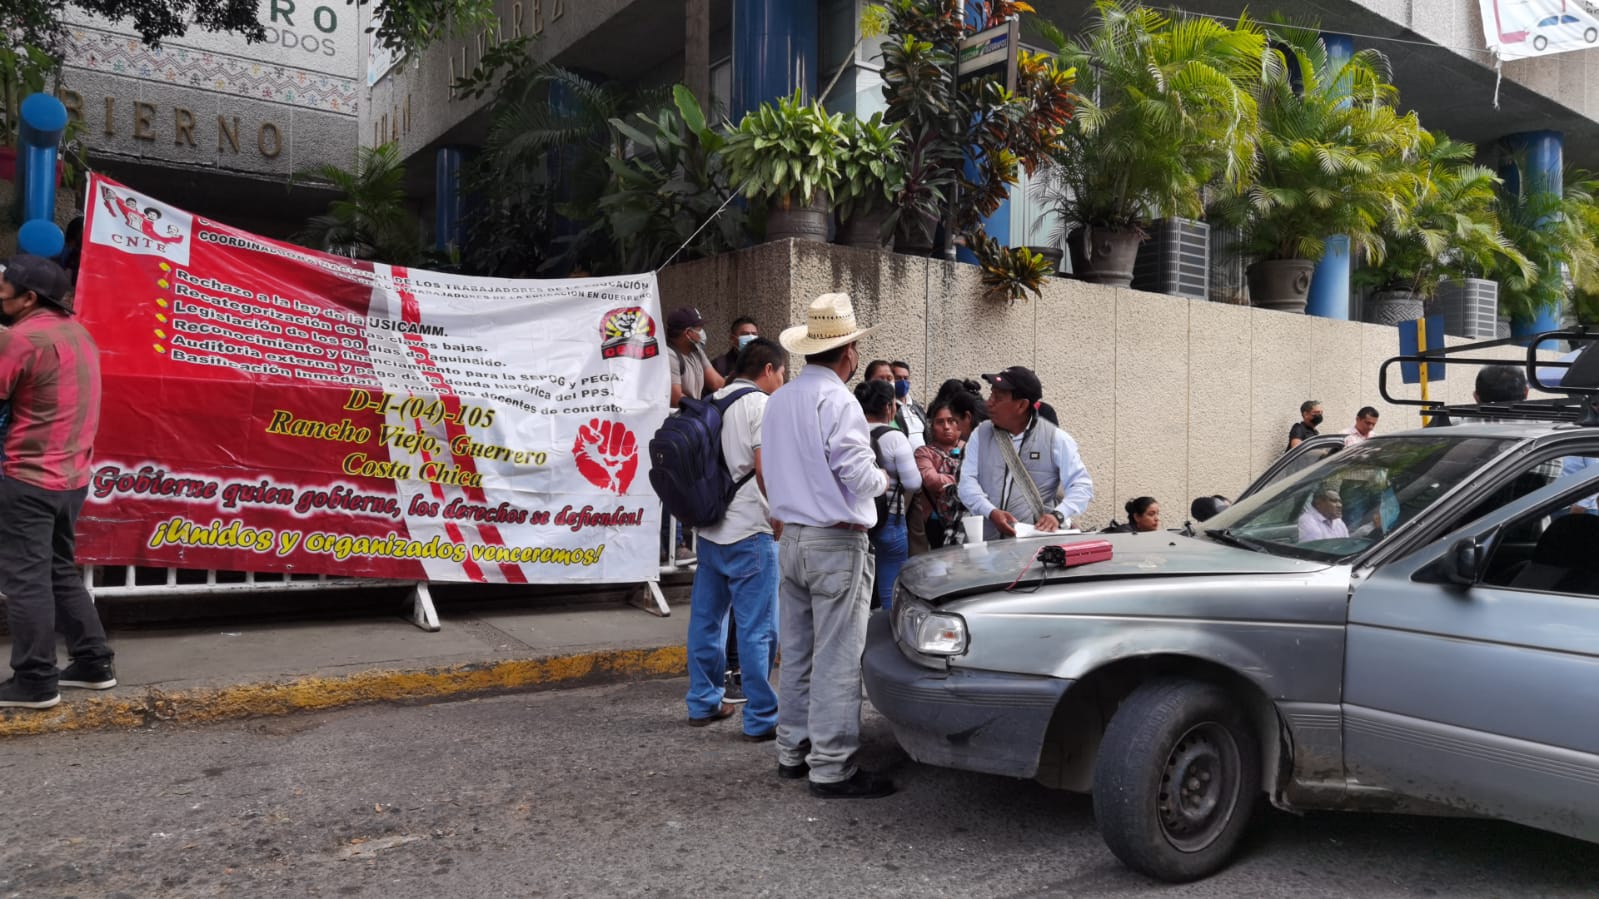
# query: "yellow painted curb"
[[315, 693]]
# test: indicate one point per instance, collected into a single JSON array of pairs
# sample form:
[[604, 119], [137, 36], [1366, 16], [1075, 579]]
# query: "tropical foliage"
[[371, 219], [1450, 230], [787, 153], [870, 173], [1335, 153], [966, 143], [1166, 105], [1554, 232], [24, 70]]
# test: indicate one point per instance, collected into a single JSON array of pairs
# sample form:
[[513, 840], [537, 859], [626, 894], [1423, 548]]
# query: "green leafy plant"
[[978, 121], [1554, 232], [371, 219], [1165, 106], [24, 70], [1009, 272], [674, 191], [1451, 230], [871, 170], [1335, 153], [786, 154]]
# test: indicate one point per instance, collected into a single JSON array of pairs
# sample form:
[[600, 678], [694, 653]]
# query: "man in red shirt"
[[50, 374]]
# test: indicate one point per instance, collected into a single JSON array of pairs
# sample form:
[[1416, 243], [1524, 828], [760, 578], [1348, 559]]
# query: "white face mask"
[[744, 340]]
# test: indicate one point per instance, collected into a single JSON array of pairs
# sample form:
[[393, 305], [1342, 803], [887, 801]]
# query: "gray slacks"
[[823, 599]]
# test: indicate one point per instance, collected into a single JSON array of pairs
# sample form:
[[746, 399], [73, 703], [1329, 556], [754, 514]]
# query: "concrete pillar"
[[697, 50], [449, 228], [774, 52], [1329, 288], [1538, 157]]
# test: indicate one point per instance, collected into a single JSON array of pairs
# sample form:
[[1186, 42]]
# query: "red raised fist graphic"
[[606, 454]]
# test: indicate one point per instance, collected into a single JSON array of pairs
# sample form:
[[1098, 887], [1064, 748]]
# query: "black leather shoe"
[[726, 710], [762, 737], [862, 784], [793, 772]]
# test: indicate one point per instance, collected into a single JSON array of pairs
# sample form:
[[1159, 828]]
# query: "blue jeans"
[[741, 576], [892, 547]]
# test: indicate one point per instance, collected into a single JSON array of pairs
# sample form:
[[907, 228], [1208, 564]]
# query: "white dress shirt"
[[1079, 487], [1315, 526], [903, 473], [817, 453]]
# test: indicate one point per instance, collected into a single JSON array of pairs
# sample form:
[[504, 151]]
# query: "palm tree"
[[1335, 153], [371, 220], [1164, 106]]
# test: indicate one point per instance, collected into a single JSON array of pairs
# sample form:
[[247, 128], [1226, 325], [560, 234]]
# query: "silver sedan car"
[[1411, 624]]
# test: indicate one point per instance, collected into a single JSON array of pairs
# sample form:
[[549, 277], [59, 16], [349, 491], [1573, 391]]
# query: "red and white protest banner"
[[273, 408]]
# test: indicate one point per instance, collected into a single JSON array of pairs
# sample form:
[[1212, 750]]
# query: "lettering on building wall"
[[323, 18], [185, 124], [393, 125], [464, 62]]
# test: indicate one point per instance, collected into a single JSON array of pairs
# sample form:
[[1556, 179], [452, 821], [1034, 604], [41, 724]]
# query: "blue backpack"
[[686, 465]]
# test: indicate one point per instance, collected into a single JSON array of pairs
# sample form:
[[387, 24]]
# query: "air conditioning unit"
[[1175, 259], [1470, 308]]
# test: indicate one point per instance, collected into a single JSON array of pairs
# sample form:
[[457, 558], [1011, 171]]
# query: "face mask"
[[1315, 419], [699, 338], [744, 340], [902, 388]]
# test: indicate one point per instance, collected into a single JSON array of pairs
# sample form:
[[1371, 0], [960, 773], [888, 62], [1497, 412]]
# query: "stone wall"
[[1167, 397]]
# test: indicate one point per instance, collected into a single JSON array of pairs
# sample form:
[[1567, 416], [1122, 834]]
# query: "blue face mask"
[[902, 388], [744, 340]]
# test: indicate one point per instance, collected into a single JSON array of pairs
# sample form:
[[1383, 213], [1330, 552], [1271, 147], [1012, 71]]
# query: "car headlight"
[[925, 630]]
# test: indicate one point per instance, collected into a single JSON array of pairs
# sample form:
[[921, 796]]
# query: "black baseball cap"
[[1018, 382], [682, 318], [44, 277]]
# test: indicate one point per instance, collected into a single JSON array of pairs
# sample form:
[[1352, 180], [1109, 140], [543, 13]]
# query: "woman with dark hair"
[[969, 411], [890, 539], [939, 460], [1143, 514]]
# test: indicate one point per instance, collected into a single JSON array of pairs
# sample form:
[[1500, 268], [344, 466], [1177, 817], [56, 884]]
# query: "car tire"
[[1591, 35], [1195, 732], [1539, 43]]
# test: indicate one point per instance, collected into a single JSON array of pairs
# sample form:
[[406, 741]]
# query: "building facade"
[[217, 125]]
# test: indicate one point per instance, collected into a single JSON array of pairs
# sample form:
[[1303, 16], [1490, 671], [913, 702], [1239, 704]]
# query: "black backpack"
[[882, 499], [687, 469]]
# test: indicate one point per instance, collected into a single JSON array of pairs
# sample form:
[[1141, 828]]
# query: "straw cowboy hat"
[[829, 322]]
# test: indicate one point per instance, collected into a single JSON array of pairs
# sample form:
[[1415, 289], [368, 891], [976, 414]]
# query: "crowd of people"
[[848, 483]]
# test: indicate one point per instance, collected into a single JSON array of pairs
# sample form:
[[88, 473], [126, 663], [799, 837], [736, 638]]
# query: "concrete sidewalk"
[[188, 674]]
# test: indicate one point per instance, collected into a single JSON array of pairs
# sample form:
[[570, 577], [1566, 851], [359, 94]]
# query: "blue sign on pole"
[[1415, 336]]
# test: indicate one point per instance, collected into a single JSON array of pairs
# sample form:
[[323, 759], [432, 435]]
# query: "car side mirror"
[[1463, 564]]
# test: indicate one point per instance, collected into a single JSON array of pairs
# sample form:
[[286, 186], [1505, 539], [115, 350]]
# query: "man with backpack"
[[738, 559], [822, 479]]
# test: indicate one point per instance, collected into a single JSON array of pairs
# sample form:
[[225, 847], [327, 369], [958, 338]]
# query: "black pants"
[[39, 578]]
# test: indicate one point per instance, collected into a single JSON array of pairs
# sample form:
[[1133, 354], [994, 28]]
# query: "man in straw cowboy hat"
[[822, 477]]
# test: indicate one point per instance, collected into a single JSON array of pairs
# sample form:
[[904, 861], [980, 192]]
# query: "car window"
[[1553, 549], [1354, 498]]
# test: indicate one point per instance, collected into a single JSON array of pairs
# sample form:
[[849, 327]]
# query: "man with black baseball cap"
[[1019, 466], [50, 374]]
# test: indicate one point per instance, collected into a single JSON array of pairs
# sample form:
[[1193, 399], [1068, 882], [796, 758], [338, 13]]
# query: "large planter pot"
[[1055, 255], [1390, 307], [1281, 284], [1104, 255], [914, 236], [799, 222], [1470, 307], [864, 230]]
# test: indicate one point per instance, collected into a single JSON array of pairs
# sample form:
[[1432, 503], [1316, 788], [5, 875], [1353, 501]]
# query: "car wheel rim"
[[1199, 787]]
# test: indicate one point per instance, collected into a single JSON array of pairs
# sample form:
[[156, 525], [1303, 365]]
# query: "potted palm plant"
[[871, 175], [1164, 107], [1553, 232], [1451, 228], [787, 156], [1334, 159]]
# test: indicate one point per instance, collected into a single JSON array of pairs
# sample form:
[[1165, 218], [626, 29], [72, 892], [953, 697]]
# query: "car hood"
[[948, 574]]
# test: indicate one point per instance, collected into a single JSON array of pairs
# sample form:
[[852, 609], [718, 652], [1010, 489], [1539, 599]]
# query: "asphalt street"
[[604, 791]]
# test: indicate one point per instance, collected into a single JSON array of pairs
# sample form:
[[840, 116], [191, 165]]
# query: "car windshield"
[[1345, 504]]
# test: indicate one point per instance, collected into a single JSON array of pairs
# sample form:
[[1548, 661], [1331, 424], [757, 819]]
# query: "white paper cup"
[[974, 528]]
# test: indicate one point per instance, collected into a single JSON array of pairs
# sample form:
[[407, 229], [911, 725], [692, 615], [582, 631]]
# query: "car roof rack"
[[1577, 385]]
